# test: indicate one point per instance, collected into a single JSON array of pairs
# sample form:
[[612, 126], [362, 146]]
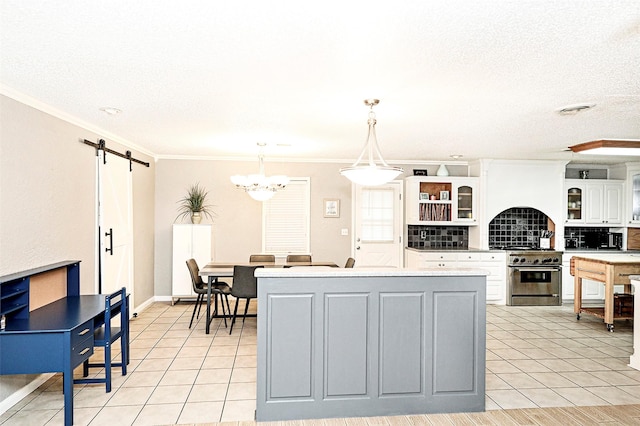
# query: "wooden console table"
[[609, 269]]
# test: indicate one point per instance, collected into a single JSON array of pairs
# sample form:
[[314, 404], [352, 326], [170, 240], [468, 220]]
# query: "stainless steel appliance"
[[603, 240], [534, 278]]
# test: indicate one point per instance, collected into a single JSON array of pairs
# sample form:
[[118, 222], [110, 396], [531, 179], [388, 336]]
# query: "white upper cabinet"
[[594, 202], [441, 200], [604, 203], [633, 196], [574, 193]]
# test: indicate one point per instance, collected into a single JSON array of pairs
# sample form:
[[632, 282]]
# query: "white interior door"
[[115, 232], [378, 225]]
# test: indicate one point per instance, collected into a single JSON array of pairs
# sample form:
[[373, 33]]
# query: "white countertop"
[[324, 271]]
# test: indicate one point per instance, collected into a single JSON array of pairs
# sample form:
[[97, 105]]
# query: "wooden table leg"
[[608, 296], [577, 292]]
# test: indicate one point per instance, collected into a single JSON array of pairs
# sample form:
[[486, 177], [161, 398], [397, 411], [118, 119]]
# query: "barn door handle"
[[110, 235]]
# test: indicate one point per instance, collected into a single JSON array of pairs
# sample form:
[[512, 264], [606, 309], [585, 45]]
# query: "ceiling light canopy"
[[374, 172], [110, 110], [574, 109], [608, 147], [259, 186]]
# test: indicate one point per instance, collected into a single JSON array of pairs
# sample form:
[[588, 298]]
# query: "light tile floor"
[[536, 357]]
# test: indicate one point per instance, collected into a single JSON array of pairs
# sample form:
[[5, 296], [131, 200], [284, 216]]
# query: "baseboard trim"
[[22, 392]]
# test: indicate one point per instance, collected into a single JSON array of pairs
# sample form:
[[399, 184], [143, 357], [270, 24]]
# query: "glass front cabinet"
[[574, 198], [441, 200], [635, 198], [594, 202]]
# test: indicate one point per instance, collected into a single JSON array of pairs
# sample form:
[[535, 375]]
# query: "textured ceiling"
[[482, 79]]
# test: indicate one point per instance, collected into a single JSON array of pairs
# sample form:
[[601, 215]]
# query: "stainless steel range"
[[534, 278]]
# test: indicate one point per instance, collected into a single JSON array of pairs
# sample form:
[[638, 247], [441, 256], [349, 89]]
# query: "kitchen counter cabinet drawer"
[[469, 257], [497, 257], [439, 256], [493, 262]]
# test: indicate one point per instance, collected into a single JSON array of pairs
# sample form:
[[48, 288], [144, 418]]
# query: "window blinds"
[[285, 219]]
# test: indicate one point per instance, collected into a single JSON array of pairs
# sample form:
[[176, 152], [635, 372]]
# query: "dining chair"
[[219, 288], [245, 286], [105, 335], [298, 258], [350, 262], [267, 258]]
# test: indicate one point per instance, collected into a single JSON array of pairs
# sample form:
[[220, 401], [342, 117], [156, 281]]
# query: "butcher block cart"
[[610, 270]]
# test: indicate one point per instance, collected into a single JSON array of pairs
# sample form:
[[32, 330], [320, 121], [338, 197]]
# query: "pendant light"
[[373, 172], [258, 186]]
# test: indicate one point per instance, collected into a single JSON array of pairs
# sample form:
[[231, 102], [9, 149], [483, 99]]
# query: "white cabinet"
[[604, 203], [189, 242], [493, 262], [594, 202], [574, 193], [441, 200], [633, 203]]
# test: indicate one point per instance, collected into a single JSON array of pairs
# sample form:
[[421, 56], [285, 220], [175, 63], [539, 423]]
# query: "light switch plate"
[[344, 231]]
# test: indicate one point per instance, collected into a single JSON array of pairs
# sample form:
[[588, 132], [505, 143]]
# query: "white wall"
[[47, 202], [522, 183], [237, 227]]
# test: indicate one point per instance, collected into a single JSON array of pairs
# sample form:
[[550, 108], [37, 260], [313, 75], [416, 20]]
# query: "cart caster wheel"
[[610, 327], [578, 317]]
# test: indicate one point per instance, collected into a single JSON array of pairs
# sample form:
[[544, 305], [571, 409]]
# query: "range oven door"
[[535, 286]]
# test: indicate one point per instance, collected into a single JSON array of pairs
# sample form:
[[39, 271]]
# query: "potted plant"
[[194, 204]]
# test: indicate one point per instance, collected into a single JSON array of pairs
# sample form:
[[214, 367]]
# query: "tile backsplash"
[[517, 227], [438, 237]]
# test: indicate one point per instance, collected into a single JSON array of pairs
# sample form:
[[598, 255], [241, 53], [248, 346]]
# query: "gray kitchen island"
[[336, 342]]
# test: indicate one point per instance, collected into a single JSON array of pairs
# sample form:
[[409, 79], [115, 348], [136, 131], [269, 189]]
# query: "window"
[[285, 219], [377, 214]]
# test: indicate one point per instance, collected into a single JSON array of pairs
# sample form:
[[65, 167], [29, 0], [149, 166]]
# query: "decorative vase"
[[196, 218], [442, 171]]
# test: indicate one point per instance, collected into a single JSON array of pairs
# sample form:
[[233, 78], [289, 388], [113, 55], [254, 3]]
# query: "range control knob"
[[535, 261], [556, 260]]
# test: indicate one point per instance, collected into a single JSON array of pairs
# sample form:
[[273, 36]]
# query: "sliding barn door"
[[115, 225]]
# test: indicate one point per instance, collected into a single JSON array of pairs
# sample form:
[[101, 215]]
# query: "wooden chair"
[[350, 262], [219, 288], [299, 258], [267, 258], [245, 286], [105, 335]]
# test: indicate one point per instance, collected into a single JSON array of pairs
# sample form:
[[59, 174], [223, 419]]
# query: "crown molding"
[[55, 112]]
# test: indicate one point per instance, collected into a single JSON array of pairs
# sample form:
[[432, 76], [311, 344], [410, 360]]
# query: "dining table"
[[213, 271]]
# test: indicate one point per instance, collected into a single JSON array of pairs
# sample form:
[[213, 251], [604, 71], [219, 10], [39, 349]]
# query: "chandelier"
[[259, 186], [375, 172]]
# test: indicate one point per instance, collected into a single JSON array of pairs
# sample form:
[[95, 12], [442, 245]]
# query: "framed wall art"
[[331, 207]]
